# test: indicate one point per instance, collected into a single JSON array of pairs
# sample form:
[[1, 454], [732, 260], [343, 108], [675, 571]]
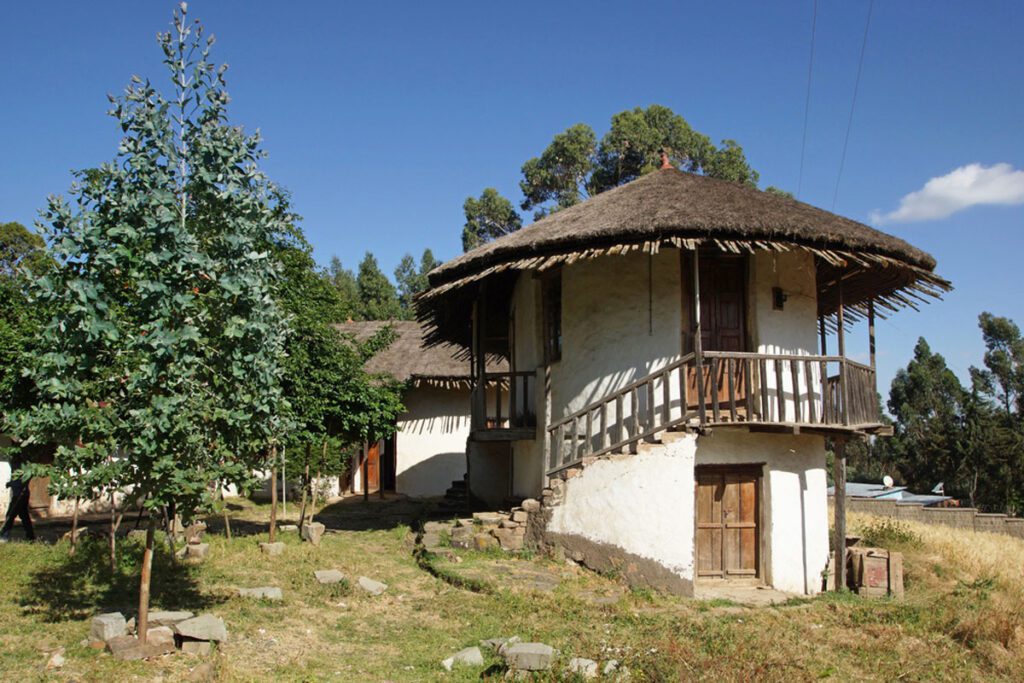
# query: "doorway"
[[728, 522]]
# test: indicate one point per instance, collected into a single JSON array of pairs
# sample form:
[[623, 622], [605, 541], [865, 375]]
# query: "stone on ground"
[[328, 576], [56, 660], [196, 647], [581, 666], [168, 617], [372, 587], [436, 527], [197, 551], [471, 656], [203, 627], [203, 672], [488, 518], [520, 516], [162, 635], [529, 656], [261, 593], [107, 626], [484, 541], [531, 505], [272, 549], [289, 527], [77, 534], [461, 537], [130, 648], [313, 532], [496, 644]]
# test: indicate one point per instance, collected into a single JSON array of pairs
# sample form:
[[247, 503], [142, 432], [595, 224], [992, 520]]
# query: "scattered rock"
[[520, 516], [107, 626], [489, 518], [372, 587], [196, 647], [529, 656], [496, 644], [203, 627], [587, 668], [461, 537], [56, 660], [163, 635], [436, 527], [328, 576], [167, 617], [484, 541], [509, 524], [272, 549], [194, 533], [130, 627], [470, 656], [77, 535], [130, 648], [531, 505], [289, 527], [509, 539], [261, 593], [197, 551], [313, 532]]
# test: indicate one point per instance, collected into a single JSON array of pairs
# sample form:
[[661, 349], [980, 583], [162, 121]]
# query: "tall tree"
[[927, 401], [377, 296], [488, 217], [412, 279], [348, 291], [559, 176], [165, 360]]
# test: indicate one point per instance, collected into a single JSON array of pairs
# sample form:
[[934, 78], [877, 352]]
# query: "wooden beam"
[[871, 332], [839, 538], [698, 349]]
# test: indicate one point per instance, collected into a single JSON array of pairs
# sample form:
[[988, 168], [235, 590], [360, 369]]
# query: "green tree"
[[927, 401], [728, 162], [488, 217], [331, 400], [412, 280], [378, 299], [559, 175], [348, 291], [165, 360]]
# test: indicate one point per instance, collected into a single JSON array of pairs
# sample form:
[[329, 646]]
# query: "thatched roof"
[[408, 358], [671, 208]]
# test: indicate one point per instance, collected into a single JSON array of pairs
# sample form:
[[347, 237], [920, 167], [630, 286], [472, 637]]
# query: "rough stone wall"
[[959, 518]]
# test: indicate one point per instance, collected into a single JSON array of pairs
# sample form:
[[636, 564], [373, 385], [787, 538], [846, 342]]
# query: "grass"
[[961, 623]]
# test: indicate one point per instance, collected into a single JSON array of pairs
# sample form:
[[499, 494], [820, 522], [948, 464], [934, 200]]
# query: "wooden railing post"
[[698, 350]]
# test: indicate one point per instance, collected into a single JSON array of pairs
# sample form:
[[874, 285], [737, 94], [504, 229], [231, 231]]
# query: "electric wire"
[[807, 101], [853, 103]]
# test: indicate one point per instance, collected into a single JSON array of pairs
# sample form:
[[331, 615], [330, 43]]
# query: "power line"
[[853, 103], [807, 101]]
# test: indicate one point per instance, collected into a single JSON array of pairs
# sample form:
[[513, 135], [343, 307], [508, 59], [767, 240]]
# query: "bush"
[[887, 533]]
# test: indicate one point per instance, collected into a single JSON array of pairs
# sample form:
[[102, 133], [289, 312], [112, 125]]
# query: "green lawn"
[[959, 621]]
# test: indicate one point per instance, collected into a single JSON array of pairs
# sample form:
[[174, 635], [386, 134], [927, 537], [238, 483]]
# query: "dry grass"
[[960, 621]]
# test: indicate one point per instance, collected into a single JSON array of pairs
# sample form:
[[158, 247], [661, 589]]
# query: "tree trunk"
[[169, 528], [273, 496], [113, 533], [227, 518], [74, 527], [315, 489], [305, 489], [142, 623]]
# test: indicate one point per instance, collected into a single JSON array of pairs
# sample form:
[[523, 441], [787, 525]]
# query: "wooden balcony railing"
[[505, 401], [721, 388]]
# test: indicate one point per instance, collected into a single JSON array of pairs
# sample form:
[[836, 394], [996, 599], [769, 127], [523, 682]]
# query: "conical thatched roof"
[[671, 208]]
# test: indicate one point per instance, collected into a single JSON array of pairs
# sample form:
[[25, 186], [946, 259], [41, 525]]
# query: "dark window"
[[551, 293]]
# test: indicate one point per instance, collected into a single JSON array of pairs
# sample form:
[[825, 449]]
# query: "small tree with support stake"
[[166, 355]]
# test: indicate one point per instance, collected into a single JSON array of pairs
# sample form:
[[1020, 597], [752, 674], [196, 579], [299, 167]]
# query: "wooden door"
[[728, 543], [371, 464], [723, 314]]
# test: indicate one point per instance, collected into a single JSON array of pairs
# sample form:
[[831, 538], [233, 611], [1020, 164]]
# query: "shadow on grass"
[[79, 586]]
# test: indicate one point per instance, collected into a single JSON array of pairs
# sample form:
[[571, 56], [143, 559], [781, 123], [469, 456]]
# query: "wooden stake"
[[142, 624], [273, 493], [74, 527], [227, 518], [839, 540]]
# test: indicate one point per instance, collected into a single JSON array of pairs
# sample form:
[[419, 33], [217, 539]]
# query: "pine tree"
[[377, 296]]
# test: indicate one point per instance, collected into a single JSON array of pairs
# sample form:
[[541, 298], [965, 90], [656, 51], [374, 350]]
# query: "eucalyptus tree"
[[411, 279], [164, 362]]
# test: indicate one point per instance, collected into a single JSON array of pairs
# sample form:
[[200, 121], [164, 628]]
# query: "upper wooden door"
[[728, 543], [372, 465]]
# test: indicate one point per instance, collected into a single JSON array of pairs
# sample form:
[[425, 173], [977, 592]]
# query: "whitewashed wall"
[[5, 477], [644, 503], [431, 440]]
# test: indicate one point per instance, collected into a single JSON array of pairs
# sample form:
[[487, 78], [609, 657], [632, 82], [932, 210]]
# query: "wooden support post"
[[871, 332], [839, 537], [698, 349], [366, 473], [841, 339], [824, 338]]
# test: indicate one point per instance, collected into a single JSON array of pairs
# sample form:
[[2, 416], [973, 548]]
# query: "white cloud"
[[967, 186]]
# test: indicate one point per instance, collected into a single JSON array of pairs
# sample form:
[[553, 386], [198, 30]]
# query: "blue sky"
[[381, 118]]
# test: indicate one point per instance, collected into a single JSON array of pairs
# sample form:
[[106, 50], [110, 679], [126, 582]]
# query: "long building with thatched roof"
[[670, 385]]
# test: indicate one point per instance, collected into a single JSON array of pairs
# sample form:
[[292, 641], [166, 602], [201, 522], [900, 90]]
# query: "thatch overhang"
[[673, 209], [410, 359]]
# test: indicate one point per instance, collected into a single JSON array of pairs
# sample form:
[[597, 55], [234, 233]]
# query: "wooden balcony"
[[504, 407], [715, 389]]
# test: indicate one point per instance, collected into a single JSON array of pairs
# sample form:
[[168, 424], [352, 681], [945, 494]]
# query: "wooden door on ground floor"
[[728, 509]]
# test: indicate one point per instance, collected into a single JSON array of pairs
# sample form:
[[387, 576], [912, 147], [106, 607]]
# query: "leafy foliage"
[[488, 217], [161, 369], [378, 298], [344, 283], [412, 280]]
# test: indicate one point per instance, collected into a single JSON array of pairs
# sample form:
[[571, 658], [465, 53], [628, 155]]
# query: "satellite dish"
[[939, 489], [887, 481]]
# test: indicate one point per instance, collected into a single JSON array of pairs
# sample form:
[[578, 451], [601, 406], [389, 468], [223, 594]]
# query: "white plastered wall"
[[644, 503], [528, 456], [431, 440], [5, 476]]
